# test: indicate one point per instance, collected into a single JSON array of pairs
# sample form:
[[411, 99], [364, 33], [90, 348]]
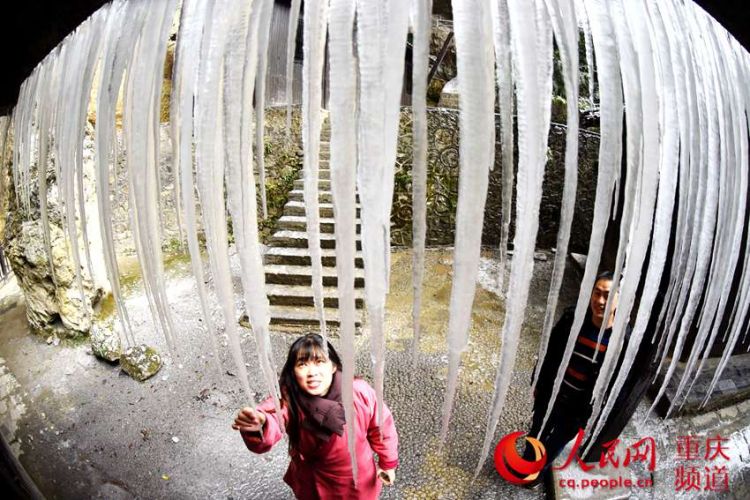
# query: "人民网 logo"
[[512, 467]]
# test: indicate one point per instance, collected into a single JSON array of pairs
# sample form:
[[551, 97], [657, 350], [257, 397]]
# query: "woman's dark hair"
[[305, 348]]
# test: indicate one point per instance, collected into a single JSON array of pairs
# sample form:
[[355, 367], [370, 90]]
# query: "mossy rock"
[[105, 343], [559, 109], [140, 362]]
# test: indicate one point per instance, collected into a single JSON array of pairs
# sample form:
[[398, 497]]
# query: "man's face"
[[599, 300]]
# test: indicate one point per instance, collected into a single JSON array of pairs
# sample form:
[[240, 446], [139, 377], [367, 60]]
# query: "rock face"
[[55, 302], [105, 343], [140, 362]]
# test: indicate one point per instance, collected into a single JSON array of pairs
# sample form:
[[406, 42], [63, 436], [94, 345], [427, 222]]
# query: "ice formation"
[[421, 24], [312, 83], [664, 66], [343, 109]]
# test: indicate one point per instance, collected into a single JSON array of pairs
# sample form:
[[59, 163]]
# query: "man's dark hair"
[[605, 275]]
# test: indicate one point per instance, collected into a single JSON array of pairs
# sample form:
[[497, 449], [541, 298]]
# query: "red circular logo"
[[511, 466]]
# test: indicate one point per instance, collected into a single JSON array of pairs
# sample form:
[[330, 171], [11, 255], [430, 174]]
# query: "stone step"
[[304, 316], [298, 208], [301, 257], [302, 275], [299, 223], [323, 184], [301, 295], [323, 196], [298, 239]]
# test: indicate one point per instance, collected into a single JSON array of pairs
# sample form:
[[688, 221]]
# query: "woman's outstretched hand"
[[387, 476], [249, 420]]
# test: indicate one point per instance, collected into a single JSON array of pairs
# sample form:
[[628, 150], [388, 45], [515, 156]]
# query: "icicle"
[[46, 105], [610, 150], [68, 131], [23, 135], [187, 53], [381, 33], [642, 35], [562, 14], [291, 46], [97, 22], [343, 105], [240, 73], [476, 122], [708, 221], [421, 10], [141, 120], [582, 16], [209, 153], [123, 27], [741, 304], [731, 214], [266, 10], [501, 40], [316, 14], [698, 174], [630, 71], [688, 184], [692, 191], [531, 32]]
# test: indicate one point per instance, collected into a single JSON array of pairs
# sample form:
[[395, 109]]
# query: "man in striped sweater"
[[572, 406]]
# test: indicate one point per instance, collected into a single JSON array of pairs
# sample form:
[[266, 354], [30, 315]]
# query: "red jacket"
[[322, 470]]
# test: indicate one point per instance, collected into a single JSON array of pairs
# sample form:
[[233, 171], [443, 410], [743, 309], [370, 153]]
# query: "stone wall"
[[442, 186]]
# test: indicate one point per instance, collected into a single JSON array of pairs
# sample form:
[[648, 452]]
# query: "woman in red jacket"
[[313, 415]]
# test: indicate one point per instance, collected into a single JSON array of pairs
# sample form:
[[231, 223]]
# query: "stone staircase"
[[288, 265]]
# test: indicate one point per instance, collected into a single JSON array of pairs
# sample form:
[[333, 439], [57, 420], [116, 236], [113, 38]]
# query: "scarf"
[[324, 415]]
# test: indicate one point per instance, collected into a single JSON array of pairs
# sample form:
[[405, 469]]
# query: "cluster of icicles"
[[679, 75]]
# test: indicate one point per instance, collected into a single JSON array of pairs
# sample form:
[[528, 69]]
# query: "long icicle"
[[421, 11], [343, 106], [531, 32], [504, 71], [687, 184], [733, 215], [97, 22], [128, 17], [187, 54], [673, 119], [66, 134], [708, 222], [240, 74], [477, 126], [682, 274], [610, 151], [562, 13], [141, 116], [630, 69], [381, 32], [47, 105], [316, 14], [639, 30], [209, 152], [742, 304]]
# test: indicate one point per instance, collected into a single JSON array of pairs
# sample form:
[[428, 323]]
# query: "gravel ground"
[[84, 429]]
